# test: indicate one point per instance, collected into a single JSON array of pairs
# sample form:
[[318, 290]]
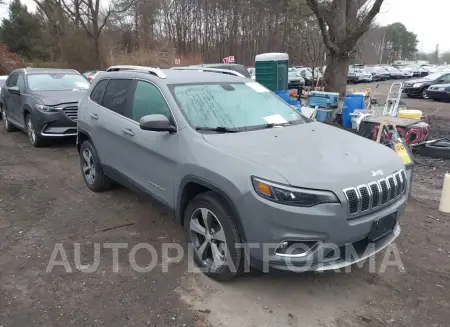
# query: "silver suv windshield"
[[236, 106], [57, 82]]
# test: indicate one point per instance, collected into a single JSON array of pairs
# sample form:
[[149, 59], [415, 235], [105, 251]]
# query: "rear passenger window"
[[116, 95], [99, 90]]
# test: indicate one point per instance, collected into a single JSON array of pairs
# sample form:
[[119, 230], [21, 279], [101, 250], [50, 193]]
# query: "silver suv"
[[249, 178]]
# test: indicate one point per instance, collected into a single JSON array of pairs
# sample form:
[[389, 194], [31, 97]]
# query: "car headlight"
[[417, 84], [292, 196], [44, 108]]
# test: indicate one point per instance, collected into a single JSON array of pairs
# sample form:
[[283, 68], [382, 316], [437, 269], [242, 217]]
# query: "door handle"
[[94, 116], [128, 131]]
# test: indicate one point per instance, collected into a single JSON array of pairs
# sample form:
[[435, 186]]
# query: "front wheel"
[[34, 136], [214, 237], [93, 175], [425, 94], [8, 127]]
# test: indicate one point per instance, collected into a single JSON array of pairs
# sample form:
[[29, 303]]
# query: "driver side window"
[[148, 100], [21, 83], [446, 78]]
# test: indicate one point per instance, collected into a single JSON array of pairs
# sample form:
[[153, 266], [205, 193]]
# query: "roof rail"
[[152, 70], [211, 70]]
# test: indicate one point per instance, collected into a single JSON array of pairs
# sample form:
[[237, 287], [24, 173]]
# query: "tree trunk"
[[335, 78], [97, 52]]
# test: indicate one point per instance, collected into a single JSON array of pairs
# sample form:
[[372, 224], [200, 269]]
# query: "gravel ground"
[[43, 201]]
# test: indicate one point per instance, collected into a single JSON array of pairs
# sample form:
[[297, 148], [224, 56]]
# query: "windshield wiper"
[[219, 129]]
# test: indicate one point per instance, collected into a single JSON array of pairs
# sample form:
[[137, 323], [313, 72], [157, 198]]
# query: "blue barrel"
[[323, 114], [351, 103]]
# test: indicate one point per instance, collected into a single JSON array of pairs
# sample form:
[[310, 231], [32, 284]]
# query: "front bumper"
[[267, 224], [412, 90], [438, 95], [56, 124]]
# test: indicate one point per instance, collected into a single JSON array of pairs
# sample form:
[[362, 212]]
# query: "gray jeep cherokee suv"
[[237, 165], [42, 102]]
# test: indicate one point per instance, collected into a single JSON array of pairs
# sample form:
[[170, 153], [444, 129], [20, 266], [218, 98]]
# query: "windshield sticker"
[[257, 87], [275, 119]]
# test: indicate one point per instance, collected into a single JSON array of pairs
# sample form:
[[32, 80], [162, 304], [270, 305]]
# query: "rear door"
[[151, 157], [107, 123]]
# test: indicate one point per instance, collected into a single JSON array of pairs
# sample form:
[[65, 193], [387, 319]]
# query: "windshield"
[[434, 76], [233, 106], [293, 74], [57, 82]]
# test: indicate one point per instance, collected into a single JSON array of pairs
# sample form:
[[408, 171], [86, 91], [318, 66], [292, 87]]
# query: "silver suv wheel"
[[208, 238], [88, 166]]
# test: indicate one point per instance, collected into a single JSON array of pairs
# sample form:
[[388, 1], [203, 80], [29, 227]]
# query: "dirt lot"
[[43, 201]]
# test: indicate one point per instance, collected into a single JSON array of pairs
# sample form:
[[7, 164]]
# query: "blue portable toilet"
[[351, 103]]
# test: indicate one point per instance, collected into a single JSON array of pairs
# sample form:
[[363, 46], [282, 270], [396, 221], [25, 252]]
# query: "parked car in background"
[[407, 71], [2, 82], [42, 102], [377, 73], [352, 77], [362, 75], [431, 69], [419, 87], [440, 92], [308, 76], [383, 73], [295, 80], [223, 153], [394, 72]]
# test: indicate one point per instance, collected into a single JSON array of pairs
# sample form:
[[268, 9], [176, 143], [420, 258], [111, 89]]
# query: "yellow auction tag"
[[402, 152]]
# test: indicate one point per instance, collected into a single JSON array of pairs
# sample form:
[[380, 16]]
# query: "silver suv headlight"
[[293, 196]]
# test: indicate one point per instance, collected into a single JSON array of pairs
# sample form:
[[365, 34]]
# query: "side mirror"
[[442, 80], [156, 123], [14, 90]]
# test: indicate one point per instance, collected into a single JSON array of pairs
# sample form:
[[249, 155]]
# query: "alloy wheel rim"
[[425, 95], [88, 166], [30, 130], [208, 238], [5, 120]]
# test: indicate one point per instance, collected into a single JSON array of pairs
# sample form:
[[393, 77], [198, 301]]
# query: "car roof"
[[30, 70], [173, 76]]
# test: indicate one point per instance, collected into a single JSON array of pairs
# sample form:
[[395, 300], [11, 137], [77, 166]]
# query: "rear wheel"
[[214, 237], [8, 127]]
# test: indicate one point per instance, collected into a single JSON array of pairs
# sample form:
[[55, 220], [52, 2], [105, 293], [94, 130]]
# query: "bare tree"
[[93, 18], [342, 23]]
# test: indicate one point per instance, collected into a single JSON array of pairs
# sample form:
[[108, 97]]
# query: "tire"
[[424, 94], [34, 137], [221, 223], [95, 179], [439, 149], [7, 125]]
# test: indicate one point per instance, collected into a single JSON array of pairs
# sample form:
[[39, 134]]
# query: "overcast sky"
[[428, 19]]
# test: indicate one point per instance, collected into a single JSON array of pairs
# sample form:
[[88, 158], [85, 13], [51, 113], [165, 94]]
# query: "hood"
[[419, 80], [53, 98], [313, 155], [439, 86]]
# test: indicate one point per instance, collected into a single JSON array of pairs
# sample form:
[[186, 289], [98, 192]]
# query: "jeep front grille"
[[374, 195], [71, 112]]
